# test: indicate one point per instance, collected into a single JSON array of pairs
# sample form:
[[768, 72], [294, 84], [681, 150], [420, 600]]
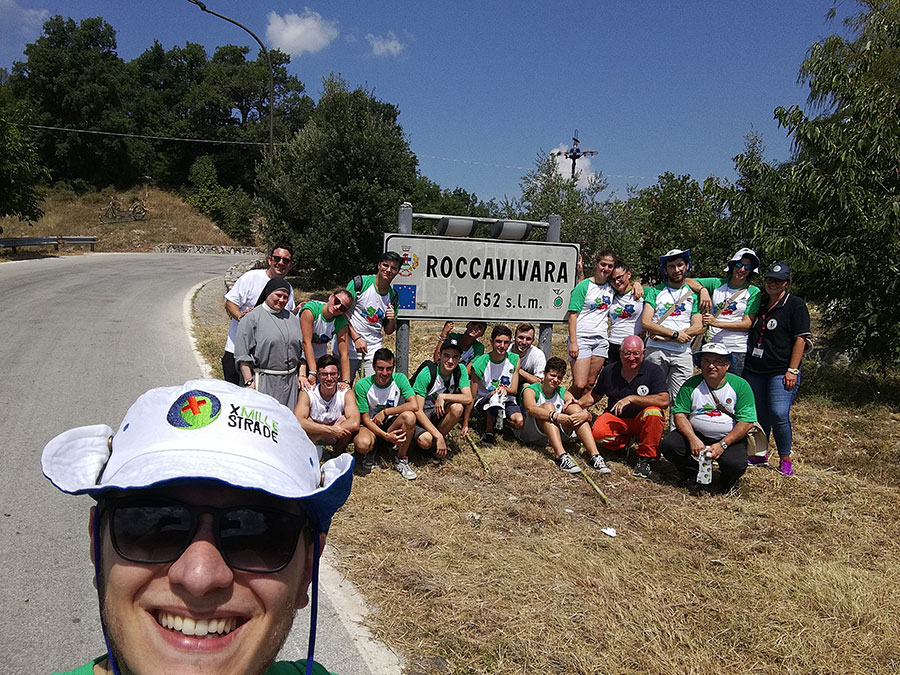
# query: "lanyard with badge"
[[758, 350]]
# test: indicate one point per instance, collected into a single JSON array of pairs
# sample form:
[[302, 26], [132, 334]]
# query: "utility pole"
[[574, 153]]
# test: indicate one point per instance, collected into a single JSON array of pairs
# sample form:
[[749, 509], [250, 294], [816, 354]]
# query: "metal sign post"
[[404, 226]]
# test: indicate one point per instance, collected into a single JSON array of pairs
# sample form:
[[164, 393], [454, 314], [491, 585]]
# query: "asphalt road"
[[82, 338]]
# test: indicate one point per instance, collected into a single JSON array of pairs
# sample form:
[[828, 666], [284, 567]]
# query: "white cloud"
[[385, 45], [28, 21], [583, 171], [297, 34]]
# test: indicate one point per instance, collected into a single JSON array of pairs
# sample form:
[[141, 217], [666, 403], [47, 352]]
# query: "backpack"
[[455, 376], [357, 283]]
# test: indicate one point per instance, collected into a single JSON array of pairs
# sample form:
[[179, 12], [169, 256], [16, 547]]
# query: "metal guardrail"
[[16, 242]]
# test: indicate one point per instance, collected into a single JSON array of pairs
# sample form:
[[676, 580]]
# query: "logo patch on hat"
[[777, 268], [194, 410]]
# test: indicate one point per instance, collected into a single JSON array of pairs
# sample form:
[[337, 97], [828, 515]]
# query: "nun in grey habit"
[[268, 347]]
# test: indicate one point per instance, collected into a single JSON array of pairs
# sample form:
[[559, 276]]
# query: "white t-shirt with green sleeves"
[[372, 399], [695, 401], [368, 313], [592, 302], [323, 330], [531, 432], [746, 303], [492, 375], [557, 399], [624, 317], [686, 303], [440, 385]]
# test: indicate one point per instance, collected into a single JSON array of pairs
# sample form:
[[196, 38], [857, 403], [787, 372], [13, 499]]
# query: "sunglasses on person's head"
[[249, 538], [279, 259]]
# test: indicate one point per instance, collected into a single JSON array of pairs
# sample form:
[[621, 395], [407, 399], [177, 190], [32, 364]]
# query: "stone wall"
[[208, 248]]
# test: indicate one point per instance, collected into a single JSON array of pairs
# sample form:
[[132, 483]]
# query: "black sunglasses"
[[279, 259], [249, 538]]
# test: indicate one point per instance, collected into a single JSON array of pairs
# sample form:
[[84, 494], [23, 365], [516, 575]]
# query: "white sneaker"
[[567, 464], [599, 464], [402, 465]]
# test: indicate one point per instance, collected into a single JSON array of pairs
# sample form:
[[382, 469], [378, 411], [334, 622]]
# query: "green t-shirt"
[[740, 303], [492, 375], [372, 399], [695, 400], [277, 668], [475, 349], [323, 329], [661, 298], [440, 385]]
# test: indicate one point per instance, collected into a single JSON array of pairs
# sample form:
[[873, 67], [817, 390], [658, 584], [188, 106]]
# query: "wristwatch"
[[675, 335], [724, 445], [795, 371], [248, 383], [312, 373]]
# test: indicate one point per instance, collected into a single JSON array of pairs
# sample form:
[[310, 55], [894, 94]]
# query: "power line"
[[123, 135], [217, 142]]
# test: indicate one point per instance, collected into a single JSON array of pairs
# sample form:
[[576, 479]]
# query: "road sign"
[[483, 279]]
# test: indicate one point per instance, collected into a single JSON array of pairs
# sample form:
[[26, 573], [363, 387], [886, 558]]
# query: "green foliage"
[[22, 176], [428, 197], [228, 207], [833, 213], [72, 77], [335, 187]]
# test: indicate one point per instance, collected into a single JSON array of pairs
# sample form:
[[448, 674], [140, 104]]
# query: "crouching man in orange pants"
[[636, 398]]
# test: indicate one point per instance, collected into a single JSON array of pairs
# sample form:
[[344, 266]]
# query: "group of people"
[[509, 383], [212, 500]]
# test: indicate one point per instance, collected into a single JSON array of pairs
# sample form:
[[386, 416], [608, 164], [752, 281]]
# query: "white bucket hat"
[[750, 253], [711, 348], [202, 430]]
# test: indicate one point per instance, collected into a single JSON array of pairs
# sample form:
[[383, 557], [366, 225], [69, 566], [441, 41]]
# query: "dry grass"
[[508, 571], [169, 219]]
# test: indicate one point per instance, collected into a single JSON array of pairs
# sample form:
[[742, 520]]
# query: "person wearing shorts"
[[671, 317], [550, 412], [625, 312], [494, 381], [388, 407], [374, 313], [327, 413], [442, 392]]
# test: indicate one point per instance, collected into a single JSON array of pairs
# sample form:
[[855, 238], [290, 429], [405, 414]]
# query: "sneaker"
[[567, 464], [368, 461], [786, 467], [402, 465], [489, 438], [598, 463], [757, 460], [642, 468]]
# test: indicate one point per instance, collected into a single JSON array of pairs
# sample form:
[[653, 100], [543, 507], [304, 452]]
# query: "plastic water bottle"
[[704, 474]]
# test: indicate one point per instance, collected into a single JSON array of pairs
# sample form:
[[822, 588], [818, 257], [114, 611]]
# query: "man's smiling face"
[[197, 614]]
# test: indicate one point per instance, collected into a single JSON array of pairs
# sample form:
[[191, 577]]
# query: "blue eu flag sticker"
[[406, 296]]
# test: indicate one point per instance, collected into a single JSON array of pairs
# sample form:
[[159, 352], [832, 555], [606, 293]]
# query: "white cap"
[[202, 430]]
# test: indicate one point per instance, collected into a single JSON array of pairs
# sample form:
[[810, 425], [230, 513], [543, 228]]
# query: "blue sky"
[[482, 87]]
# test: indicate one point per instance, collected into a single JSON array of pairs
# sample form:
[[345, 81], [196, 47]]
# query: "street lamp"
[[265, 51]]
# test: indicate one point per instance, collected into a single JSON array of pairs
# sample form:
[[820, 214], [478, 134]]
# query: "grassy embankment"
[[508, 571], [169, 220]]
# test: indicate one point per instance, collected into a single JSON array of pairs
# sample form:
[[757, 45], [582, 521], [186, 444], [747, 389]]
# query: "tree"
[[335, 187], [22, 177], [72, 77], [833, 213], [428, 197]]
